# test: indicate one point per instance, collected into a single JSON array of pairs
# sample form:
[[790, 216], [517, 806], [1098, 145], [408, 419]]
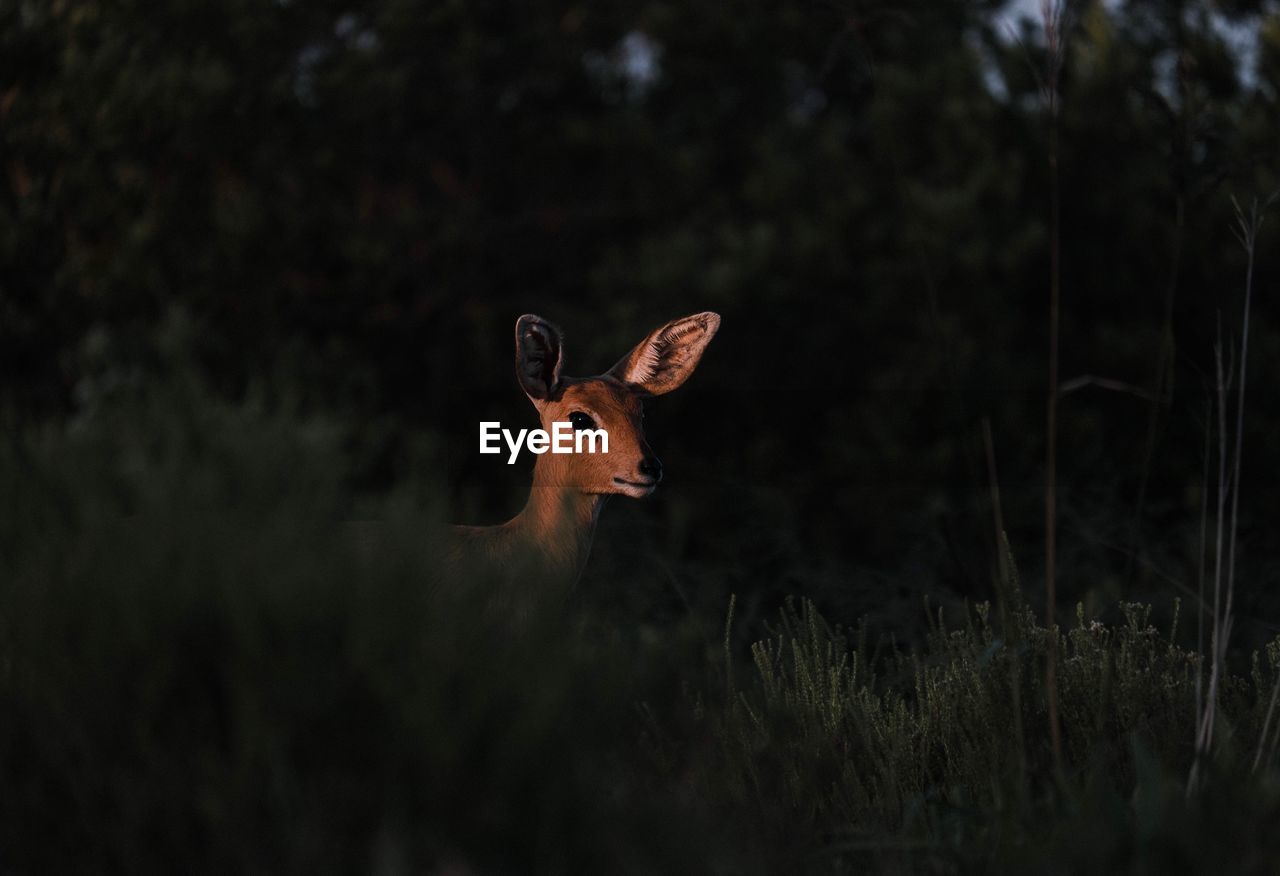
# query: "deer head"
[[612, 401]]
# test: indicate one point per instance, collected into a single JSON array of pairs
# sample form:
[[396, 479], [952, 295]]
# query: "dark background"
[[348, 205]]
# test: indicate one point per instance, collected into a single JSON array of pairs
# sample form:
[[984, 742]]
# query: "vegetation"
[[357, 200], [198, 670], [942, 754], [259, 264]]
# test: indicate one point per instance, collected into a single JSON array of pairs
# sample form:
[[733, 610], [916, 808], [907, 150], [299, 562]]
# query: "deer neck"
[[559, 522]]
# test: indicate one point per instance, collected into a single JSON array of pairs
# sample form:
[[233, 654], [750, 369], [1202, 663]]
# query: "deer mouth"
[[636, 488]]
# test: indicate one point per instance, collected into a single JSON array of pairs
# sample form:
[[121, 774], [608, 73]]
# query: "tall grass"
[[1228, 487], [1054, 20], [199, 672], [906, 757]]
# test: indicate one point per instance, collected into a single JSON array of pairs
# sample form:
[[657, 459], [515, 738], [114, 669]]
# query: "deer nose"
[[651, 467]]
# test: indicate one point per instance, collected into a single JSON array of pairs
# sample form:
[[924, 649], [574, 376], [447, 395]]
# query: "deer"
[[550, 538]]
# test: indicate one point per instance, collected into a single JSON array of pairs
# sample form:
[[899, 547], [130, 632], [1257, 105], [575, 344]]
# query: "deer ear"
[[539, 352], [665, 359]]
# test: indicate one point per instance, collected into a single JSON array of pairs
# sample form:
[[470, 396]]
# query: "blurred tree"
[[353, 202]]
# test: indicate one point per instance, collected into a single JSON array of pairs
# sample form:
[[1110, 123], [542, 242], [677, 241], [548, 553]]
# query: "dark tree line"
[[351, 203]]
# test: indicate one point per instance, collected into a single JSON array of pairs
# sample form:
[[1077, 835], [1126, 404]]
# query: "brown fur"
[[551, 537]]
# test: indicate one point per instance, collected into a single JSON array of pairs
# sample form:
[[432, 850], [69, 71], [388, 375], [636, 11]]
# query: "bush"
[[941, 754], [199, 671]]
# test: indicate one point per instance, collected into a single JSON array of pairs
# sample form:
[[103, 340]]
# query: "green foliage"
[[360, 198], [200, 670], [351, 203], [945, 748]]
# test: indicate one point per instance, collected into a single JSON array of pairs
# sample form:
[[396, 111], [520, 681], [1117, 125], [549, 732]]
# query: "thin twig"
[[1004, 587], [1266, 724], [728, 649], [1102, 383], [1053, 17], [1204, 732], [997, 513], [1248, 236], [1204, 546], [1246, 232]]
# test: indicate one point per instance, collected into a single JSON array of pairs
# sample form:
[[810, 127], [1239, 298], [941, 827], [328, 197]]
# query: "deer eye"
[[581, 420]]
